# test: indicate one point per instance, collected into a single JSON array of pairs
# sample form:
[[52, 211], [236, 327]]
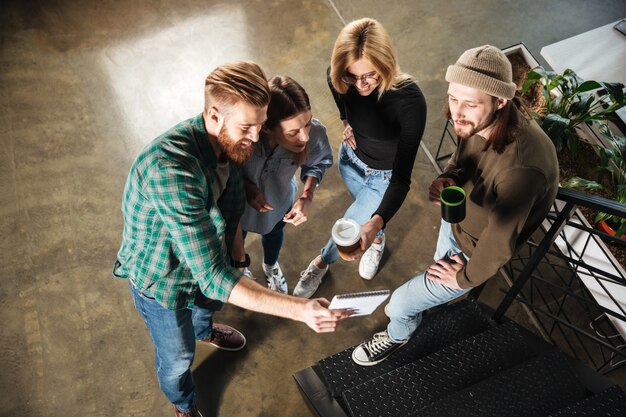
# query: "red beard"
[[232, 149]]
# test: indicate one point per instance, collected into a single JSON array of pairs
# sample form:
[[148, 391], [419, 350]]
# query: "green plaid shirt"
[[175, 232]]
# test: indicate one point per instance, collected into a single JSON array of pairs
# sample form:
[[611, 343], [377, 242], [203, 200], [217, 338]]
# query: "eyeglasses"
[[369, 78]]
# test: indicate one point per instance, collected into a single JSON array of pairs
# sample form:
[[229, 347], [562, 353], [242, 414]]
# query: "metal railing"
[[573, 286]]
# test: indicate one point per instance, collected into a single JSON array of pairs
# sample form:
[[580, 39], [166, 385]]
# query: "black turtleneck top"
[[388, 131]]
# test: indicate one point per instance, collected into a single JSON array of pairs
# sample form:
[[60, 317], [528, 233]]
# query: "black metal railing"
[[573, 286], [447, 146]]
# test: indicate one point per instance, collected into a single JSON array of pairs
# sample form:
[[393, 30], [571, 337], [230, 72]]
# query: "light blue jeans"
[[174, 334], [367, 187], [419, 293]]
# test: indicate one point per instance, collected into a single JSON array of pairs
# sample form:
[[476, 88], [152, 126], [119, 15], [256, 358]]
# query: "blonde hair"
[[236, 82], [366, 38]]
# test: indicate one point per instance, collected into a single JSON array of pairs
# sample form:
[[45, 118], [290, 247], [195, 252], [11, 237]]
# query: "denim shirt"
[[274, 173]]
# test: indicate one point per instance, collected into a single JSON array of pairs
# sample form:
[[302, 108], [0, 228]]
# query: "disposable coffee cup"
[[346, 234], [452, 204]]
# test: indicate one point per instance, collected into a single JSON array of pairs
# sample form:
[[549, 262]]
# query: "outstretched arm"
[[314, 313]]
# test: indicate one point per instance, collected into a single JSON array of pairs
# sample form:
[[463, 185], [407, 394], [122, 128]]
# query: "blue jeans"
[[272, 242], [419, 293], [367, 187], [174, 334]]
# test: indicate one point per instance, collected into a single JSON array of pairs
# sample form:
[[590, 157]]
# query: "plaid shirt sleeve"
[[179, 194]]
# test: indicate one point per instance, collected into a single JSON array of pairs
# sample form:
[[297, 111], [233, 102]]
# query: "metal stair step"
[[431, 378], [445, 327], [538, 387], [608, 403]]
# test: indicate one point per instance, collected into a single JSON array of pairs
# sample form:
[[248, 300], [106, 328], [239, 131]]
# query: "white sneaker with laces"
[[368, 266], [275, 278], [375, 350], [310, 280]]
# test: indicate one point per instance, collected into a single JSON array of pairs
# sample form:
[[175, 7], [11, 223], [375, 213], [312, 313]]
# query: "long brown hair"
[[288, 98]]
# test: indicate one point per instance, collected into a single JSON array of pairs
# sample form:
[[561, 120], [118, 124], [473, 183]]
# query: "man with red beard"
[[508, 169], [181, 251]]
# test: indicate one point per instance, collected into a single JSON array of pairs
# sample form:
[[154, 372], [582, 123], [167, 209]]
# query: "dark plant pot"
[[605, 227]]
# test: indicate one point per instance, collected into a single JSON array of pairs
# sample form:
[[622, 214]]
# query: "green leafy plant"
[[612, 165], [570, 101]]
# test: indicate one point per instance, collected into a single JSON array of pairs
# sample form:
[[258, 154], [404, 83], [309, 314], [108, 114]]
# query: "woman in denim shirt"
[[290, 138]]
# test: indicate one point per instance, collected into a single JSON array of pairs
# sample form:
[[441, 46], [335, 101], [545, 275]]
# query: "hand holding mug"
[[436, 187]]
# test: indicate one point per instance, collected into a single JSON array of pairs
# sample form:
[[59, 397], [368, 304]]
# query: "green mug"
[[452, 204]]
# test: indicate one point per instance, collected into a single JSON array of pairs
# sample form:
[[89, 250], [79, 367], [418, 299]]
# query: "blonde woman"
[[384, 113]]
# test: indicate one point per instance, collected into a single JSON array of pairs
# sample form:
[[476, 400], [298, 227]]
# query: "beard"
[[233, 149], [473, 129], [463, 132]]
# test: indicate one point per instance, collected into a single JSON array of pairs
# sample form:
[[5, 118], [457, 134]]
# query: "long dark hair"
[[288, 98]]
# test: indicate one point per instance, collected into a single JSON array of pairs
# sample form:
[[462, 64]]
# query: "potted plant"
[[522, 61], [611, 179], [570, 101]]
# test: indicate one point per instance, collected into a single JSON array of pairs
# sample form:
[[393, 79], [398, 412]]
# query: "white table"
[[599, 54]]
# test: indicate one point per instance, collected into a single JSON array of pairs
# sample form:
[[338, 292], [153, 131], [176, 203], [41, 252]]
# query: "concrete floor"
[[84, 85]]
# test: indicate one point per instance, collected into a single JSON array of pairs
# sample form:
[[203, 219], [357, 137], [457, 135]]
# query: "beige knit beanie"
[[485, 68]]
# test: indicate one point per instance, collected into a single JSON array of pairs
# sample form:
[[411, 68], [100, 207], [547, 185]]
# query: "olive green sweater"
[[508, 196]]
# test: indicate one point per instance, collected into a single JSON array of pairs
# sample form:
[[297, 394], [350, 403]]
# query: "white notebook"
[[363, 303]]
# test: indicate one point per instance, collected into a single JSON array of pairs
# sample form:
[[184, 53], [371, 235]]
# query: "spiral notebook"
[[363, 303]]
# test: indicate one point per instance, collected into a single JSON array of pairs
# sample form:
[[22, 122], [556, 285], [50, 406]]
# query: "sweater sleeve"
[[453, 169], [337, 97], [517, 192], [412, 120], [320, 155]]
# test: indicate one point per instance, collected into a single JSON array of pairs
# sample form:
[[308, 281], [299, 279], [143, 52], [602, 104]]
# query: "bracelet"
[[306, 193]]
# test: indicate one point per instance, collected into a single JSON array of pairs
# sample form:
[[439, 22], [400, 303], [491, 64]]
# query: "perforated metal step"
[[538, 387], [447, 326], [429, 379], [608, 403]]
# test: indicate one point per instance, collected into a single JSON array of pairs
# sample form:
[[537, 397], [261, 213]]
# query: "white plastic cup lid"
[[346, 232]]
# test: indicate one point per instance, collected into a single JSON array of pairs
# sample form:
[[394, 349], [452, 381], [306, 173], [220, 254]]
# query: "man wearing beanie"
[[508, 169]]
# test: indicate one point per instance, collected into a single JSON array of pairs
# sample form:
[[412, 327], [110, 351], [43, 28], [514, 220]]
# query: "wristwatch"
[[241, 264]]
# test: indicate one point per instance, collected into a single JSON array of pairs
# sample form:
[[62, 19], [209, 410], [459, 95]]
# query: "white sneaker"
[[368, 266], [248, 273], [310, 280], [275, 278]]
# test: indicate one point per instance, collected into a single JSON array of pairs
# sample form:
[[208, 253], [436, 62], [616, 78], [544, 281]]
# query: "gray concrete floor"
[[84, 85]]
